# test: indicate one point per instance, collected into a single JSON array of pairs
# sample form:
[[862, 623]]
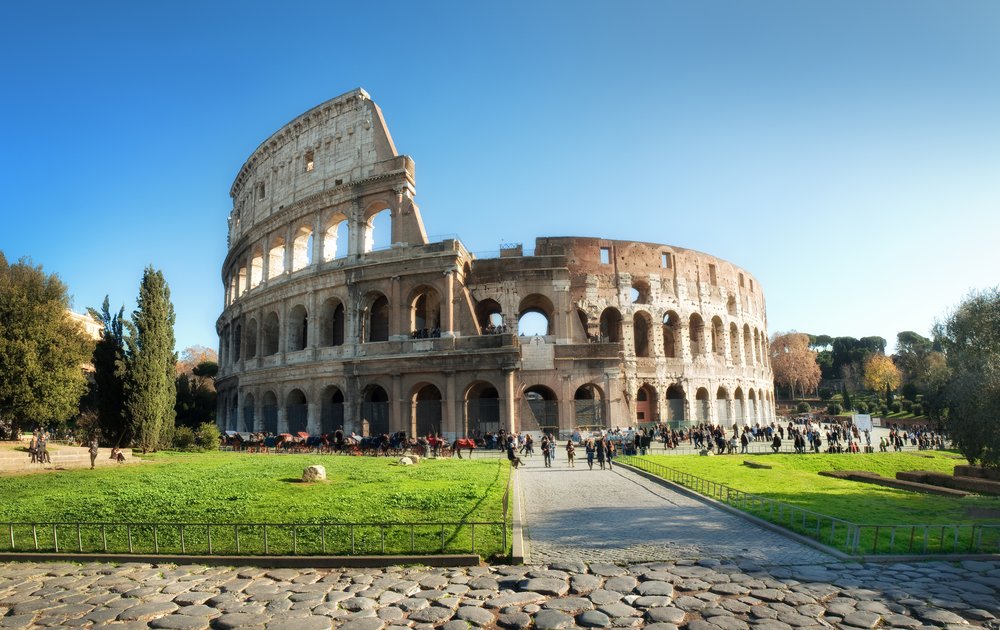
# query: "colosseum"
[[340, 312]]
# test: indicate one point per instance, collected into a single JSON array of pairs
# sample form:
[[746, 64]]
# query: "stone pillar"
[[509, 401], [317, 252], [566, 407], [313, 420], [684, 343], [258, 414], [282, 420], [399, 313], [312, 325], [448, 316], [563, 331], [289, 249], [283, 330], [396, 412], [450, 417]]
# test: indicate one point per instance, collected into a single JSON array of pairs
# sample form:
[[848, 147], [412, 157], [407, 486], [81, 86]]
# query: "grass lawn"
[[793, 480], [240, 488]]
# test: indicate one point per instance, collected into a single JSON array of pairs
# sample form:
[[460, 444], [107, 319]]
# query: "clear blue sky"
[[846, 153]]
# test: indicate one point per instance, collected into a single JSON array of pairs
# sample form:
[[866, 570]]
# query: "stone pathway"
[[618, 516], [708, 595]]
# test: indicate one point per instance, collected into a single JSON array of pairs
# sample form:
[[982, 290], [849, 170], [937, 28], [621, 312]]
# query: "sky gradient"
[[847, 154]]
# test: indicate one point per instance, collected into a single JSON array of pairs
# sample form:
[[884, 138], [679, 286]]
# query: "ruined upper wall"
[[342, 141]]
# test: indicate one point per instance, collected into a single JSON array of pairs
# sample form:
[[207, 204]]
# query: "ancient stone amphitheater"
[[339, 312]]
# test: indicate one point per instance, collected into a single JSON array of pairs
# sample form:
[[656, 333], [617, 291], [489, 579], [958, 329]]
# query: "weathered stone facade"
[[322, 329]]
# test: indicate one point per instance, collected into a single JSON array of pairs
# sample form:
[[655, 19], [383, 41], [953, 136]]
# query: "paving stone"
[[230, 621], [665, 614], [474, 615], [514, 620], [862, 619], [552, 620], [364, 623], [359, 603], [593, 619], [939, 617], [182, 622], [620, 583], [147, 611], [514, 599], [618, 610], [649, 601], [727, 622], [601, 597], [654, 587], [431, 614], [569, 604], [770, 624], [545, 586], [583, 584]]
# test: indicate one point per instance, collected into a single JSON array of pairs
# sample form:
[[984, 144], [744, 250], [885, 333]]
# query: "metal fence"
[[847, 536]]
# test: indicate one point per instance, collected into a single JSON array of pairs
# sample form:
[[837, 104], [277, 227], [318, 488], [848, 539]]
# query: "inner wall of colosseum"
[[340, 314]]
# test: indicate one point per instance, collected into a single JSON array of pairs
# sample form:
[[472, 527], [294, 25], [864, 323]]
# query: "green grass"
[[228, 488], [793, 480]]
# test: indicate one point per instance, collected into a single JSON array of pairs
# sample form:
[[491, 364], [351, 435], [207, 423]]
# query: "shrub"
[[825, 393], [907, 406], [207, 436], [183, 437], [803, 407], [861, 407], [834, 409], [883, 410], [895, 407], [917, 409]]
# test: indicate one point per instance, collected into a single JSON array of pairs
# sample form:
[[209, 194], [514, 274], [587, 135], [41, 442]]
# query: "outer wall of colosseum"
[[340, 313]]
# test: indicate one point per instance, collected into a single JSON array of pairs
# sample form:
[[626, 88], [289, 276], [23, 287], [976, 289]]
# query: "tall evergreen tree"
[[109, 376], [150, 392], [42, 351]]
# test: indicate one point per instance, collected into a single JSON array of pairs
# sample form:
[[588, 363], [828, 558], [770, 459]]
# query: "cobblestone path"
[[618, 516], [709, 595]]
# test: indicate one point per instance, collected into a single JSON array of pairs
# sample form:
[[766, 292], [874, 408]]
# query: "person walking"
[[609, 451], [600, 452], [570, 453], [591, 450], [547, 452], [93, 452]]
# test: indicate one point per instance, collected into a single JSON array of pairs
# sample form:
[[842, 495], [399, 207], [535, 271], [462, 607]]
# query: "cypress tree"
[[150, 392], [109, 375]]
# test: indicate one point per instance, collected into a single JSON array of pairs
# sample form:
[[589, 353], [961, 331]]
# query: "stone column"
[[566, 407], [509, 402], [399, 313], [317, 252], [258, 414], [289, 249], [448, 316], [684, 330], [396, 412], [282, 420], [313, 420], [450, 418]]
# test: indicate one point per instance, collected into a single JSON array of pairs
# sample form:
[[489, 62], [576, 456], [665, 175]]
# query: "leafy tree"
[[196, 396], [848, 403], [794, 363], [881, 374], [970, 338], [109, 375], [42, 351], [150, 391]]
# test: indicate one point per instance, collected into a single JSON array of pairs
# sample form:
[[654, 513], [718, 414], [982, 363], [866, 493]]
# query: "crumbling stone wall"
[[425, 336]]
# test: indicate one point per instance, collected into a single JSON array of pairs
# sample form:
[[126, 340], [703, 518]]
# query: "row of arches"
[[303, 245], [677, 338], [539, 409]]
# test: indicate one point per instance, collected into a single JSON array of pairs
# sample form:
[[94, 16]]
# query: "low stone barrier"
[[969, 484], [874, 478], [978, 472]]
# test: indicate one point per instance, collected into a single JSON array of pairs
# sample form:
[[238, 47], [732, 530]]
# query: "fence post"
[[55, 537]]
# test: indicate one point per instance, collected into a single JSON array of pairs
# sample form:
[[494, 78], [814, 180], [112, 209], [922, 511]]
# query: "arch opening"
[[378, 231], [482, 409], [611, 325], [271, 334], [375, 411], [269, 413], [298, 329], [276, 258], [297, 412], [425, 314], [645, 405], [377, 321], [331, 415], [331, 323], [302, 247], [675, 405], [426, 405], [540, 410], [640, 330], [588, 408]]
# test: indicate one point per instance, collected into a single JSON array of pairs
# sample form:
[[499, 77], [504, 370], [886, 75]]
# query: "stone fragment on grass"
[[314, 473]]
